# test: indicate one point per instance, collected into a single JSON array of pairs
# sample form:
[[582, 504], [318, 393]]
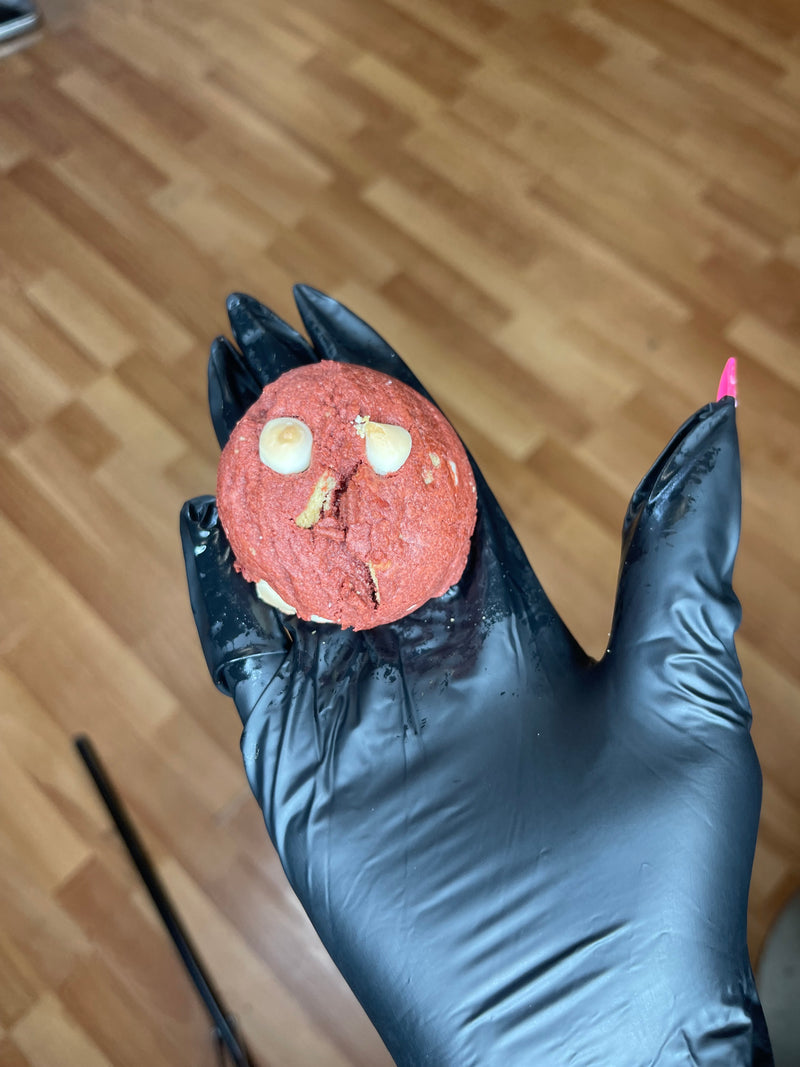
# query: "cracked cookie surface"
[[340, 541]]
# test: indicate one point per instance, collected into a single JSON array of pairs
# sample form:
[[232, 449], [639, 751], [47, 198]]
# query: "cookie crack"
[[321, 516]]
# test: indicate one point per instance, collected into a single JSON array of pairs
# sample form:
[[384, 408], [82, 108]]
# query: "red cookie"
[[376, 509]]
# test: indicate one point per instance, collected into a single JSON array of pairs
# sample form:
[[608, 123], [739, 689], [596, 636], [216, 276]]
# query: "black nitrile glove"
[[516, 856]]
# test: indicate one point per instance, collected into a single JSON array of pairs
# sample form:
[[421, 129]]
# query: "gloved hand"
[[516, 856]]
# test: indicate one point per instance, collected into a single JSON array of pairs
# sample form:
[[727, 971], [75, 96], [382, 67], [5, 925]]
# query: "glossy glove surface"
[[514, 854]]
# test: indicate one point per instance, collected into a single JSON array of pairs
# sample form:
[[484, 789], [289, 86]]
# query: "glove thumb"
[[236, 629], [676, 609]]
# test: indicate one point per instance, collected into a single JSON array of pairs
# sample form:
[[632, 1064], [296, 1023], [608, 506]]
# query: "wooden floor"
[[566, 215]]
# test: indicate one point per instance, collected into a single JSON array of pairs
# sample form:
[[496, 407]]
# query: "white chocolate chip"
[[318, 502], [285, 446], [319, 618], [388, 447], [453, 471], [374, 577], [266, 593], [434, 459]]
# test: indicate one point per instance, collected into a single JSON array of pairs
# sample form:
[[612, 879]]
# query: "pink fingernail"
[[727, 383]]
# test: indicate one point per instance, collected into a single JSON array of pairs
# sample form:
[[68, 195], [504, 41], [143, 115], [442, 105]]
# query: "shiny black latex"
[[516, 856]]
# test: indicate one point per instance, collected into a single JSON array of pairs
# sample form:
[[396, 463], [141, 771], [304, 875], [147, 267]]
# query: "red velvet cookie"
[[346, 496]]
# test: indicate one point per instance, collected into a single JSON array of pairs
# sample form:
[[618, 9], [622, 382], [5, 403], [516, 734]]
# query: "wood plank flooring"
[[565, 215]]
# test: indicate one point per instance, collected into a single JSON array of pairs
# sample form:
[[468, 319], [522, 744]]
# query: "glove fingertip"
[[200, 513], [237, 303], [705, 441]]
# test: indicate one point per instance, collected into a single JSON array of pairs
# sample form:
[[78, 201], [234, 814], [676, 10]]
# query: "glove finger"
[[232, 387], [498, 568], [339, 334], [268, 347], [676, 612], [238, 631]]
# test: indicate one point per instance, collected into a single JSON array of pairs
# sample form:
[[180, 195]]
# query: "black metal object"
[[224, 1028], [17, 18]]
